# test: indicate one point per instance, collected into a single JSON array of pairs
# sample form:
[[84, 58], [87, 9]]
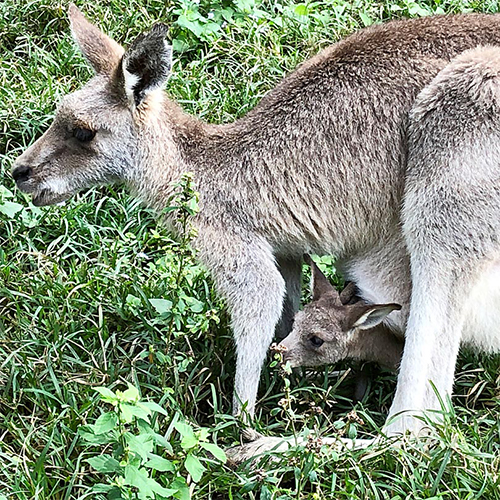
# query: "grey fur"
[[451, 226], [346, 327], [272, 184]]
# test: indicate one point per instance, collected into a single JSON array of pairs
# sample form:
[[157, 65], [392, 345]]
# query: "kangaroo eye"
[[83, 134], [316, 341]]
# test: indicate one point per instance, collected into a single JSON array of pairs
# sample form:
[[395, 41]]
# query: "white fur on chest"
[[482, 325], [382, 276], [382, 280]]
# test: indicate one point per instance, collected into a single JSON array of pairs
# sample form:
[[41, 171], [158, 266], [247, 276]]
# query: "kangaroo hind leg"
[[451, 221]]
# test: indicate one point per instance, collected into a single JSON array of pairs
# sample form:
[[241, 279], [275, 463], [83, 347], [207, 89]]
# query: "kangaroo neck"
[[161, 152], [379, 345]]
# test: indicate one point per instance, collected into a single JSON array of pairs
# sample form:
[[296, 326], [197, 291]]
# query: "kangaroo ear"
[[320, 285], [103, 53], [368, 316], [147, 64]]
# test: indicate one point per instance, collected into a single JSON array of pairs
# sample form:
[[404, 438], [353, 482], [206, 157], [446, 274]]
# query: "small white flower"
[[210, 15], [142, 255]]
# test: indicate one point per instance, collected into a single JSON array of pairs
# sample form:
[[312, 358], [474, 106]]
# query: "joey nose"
[[22, 173], [285, 354]]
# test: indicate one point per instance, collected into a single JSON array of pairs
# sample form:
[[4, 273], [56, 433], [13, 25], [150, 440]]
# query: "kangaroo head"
[[327, 330], [95, 137]]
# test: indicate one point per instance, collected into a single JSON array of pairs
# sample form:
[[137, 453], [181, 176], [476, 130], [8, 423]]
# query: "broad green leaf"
[[145, 485], [193, 202], [352, 432], [105, 422], [163, 442], [87, 433], [339, 424], [10, 209], [366, 19], [189, 440], [145, 428], [203, 433], [194, 467], [128, 412], [247, 6], [181, 305], [30, 217], [160, 490], [217, 452], [138, 478], [182, 488], [195, 305], [195, 26], [131, 395], [107, 395], [141, 444], [5, 193], [158, 463], [99, 488], [104, 463], [227, 14], [415, 9], [183, 429], [265, 494], [301, 9], [161, 305], [133, 301], [115, 493], [179, 46], [162, 359], [154, 407]]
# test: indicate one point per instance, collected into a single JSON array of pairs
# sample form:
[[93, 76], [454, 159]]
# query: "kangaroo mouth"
[[42, 195], [47, 197]]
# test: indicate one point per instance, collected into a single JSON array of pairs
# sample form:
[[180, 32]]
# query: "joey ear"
[[103, 53], [147, 64], [348, 294], [368, 316], [319, 282]]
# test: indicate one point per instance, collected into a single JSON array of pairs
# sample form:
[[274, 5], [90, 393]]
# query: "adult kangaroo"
[[272, 184]]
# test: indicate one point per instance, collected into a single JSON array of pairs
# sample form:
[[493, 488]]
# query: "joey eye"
[[316, 341], [83, 134]]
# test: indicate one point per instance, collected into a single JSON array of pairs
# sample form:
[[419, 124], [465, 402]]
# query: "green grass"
[[76, 283]]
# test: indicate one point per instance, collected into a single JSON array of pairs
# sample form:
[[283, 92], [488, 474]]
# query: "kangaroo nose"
[[22, 173]]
